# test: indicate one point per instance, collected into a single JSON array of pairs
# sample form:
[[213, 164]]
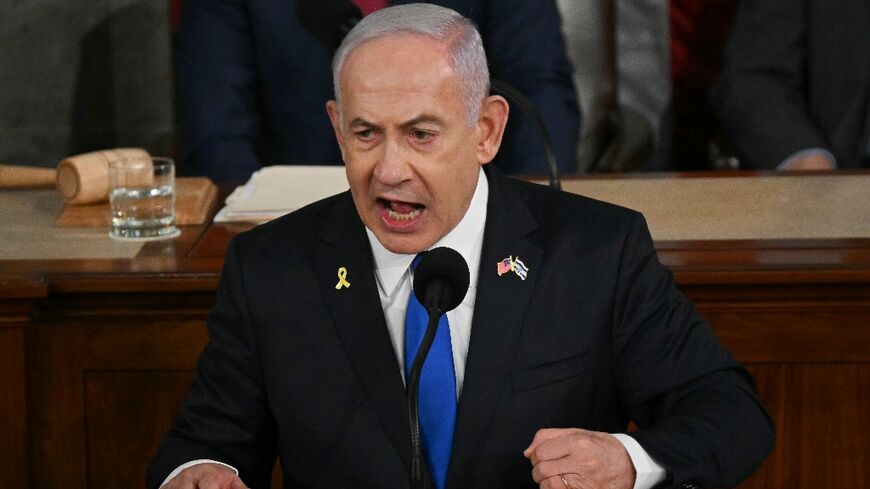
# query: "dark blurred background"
[[84, 75], [93, 74]]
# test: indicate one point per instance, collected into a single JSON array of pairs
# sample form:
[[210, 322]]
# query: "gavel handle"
[[13, 176]]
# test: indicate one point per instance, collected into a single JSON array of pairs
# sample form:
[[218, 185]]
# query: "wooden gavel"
[[80, 179], [12, 176]]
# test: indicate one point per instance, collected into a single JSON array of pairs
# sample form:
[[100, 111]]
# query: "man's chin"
[[404, 243]]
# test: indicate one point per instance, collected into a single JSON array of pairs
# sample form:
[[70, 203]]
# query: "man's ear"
[[335, 119], [490, 127]]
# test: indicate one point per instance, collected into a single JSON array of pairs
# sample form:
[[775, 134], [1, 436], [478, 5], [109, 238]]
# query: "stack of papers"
[[277, 190]]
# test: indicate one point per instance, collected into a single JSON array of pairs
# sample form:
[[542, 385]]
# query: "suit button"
[[689, 485]]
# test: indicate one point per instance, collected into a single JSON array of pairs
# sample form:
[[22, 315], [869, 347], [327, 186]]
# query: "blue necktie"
[[437, 387]]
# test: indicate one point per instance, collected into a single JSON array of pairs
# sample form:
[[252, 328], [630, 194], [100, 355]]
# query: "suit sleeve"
[[761, 95], [526, 49], [225, 415], [217, 90], [696, 407]]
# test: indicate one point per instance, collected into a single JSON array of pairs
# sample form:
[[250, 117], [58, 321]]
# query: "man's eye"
[[421, 136], [365, 135]]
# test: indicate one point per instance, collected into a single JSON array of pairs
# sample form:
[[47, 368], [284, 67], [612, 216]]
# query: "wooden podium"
[[97, 349]]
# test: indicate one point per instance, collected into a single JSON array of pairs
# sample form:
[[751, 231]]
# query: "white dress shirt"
[[395, 279], [395, 283]]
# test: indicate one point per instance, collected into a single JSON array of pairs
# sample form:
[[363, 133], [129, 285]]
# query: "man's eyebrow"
[[420, 119], [360, 122], [424, 119]]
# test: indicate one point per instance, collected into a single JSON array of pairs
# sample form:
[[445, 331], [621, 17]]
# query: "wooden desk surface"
[[97, 353], [789, 249]]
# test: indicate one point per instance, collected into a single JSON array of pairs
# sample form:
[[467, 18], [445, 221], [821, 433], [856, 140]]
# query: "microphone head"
[[441, 279]]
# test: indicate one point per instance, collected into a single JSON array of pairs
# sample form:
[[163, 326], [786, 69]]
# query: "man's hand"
[[811, 162], [585, 459], [205, 476]]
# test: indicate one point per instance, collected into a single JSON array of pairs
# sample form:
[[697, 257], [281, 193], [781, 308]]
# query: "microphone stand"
[[416, 474], [507, 91]]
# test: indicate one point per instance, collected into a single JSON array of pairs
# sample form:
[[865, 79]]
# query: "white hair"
[[440, 23]]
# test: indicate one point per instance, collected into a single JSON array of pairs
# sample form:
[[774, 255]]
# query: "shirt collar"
[[466, 238]]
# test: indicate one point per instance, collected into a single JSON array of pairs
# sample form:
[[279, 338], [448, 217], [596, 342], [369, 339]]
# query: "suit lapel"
[[359, 320], [499, 313]]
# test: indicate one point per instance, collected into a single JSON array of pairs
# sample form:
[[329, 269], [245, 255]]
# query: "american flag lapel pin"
[[511, 264], [505, 266]]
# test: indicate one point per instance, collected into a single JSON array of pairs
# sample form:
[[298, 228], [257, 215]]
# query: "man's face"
[[411, 159]]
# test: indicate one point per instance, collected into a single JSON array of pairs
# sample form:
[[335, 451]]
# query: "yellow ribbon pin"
[[342, 275]]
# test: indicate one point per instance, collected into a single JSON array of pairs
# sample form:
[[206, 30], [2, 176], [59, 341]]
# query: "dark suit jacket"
[[253, 85], [797, 76], [597, 335]]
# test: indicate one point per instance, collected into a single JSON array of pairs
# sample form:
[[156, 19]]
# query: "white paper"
[[277, 190]]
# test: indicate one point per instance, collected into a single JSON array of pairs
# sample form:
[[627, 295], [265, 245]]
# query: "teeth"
[[403, 217]]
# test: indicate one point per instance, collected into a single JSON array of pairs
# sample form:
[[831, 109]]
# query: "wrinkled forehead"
[[405, 52], [398, 64]]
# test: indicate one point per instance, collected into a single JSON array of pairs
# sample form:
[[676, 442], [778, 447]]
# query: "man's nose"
[[393, 168]]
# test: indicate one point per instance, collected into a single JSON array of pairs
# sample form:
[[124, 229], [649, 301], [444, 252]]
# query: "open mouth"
[[399, 211]]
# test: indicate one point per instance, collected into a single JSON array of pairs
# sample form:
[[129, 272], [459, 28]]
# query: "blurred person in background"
[[795, 91], [254, 76]]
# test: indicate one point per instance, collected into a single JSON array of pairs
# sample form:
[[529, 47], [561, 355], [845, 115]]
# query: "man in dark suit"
[[253, 79], [795, 90], [571, 327]]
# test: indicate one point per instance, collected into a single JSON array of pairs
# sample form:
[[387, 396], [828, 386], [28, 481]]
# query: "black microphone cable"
[[416, 474], [499, 87]]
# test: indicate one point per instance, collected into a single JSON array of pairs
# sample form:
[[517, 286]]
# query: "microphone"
[[440, 283], [328, 20], [441, 279]]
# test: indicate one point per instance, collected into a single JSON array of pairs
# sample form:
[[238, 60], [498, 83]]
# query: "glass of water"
[[142, 198]]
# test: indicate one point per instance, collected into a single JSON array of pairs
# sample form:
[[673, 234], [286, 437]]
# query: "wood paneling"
[[13, 407], [97, 354], [108, 371], [823, 430], [126, 414], [811, 363], [795, 333], [73, 364]]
